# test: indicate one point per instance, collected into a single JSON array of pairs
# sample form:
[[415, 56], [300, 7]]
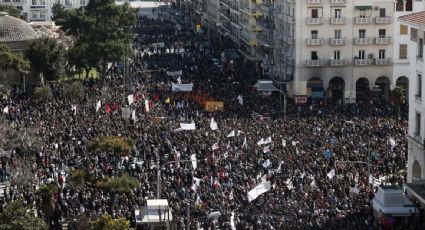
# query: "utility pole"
[[158, 177], [125, 71], [188, 215]]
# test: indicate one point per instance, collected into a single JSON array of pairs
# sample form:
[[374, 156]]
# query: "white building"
[[416, 134], [41, 10]]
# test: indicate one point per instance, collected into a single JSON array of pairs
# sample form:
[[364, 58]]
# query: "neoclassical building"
[[15, 34]]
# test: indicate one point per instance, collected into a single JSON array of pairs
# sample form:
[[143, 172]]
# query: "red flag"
[[156, 97], [108, 108], [222, 174], [216, 184]]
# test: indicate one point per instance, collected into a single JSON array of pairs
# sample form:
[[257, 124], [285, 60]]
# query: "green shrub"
[[43, 93]]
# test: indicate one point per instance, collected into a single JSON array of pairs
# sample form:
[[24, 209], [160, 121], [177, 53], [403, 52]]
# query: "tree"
[[106, 222], [11, 10], [47, 204], [103, 28], [79, 178], [43, 93], [120, 146], [17, 216], [47, 57], [399, 96], [123, 184], [73, 91], [58, 12], [12, 60]]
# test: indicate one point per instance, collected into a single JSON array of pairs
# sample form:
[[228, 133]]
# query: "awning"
[[265, 85], [417, 190], [363, 7]]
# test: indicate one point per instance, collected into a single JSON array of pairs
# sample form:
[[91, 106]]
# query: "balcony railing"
[[363, 41], [315, 42], [383, 20], [337, 41], [337, 1], [385, 61], [338, 21], [337, 62], [366, 20], [289, 19], [314, 63], [383, 41], [314, 1], [314, 21], [362, 62]]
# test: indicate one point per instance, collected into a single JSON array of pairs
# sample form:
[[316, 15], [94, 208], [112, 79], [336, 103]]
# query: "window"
[[417, 124], [34, 2], [82, 2], [42, 15], [381, 54], [382, 33], [362, 33], [337, 34], [362, 54], [337, 13], [314, 55], [403, 29], [382, 12], [34, 16], [363, 13], [314, 13], [421, 48], [403, 51], [314, 34], [42, 2], [418, 86], [337, 55]]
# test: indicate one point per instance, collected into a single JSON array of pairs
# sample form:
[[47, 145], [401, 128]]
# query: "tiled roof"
[[14, 29], [416, 19]]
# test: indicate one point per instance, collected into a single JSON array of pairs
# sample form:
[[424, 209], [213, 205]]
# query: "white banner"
[[190, 126], [174, 73], [194, 161], [213, 124], [261, 188], [130, 99], [181, 87], [231, 134], [98, 105], [331, 174]]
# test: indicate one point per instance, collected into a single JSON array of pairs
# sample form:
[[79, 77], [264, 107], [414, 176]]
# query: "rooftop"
[[414, 19], [14, 29]]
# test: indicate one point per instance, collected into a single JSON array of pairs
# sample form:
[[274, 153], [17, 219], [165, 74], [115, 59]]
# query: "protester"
[[252, 144]]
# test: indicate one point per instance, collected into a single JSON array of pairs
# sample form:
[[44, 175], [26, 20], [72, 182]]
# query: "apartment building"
[[341, 49], [416, 133], [41, 10]]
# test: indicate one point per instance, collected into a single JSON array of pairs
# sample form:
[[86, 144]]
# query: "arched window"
[[409, 5], [399, 5]]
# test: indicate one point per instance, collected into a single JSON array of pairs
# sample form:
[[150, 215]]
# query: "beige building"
[[416, 134]]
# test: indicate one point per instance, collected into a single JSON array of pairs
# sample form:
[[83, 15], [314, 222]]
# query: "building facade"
[[416, 134], [41, 10]]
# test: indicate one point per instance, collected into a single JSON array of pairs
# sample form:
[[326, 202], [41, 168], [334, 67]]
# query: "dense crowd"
[[297, 160]]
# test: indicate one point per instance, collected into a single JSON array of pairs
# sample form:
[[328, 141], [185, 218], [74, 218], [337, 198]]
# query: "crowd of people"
[[300, 155]]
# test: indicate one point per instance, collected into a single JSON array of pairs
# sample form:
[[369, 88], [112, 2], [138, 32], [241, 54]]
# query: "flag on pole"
[[267, 163], [240, 99], [108, 108], [268, 140], [231, 134], [133, 115], [194, 161], [74, 108], [130, 99], [98, 105], [167, 101], [331, 174], [216, 184], [261, 142], [6, 110], [147, 105], [245, 143], [215, 146], [261, 188], [239, 133], [196, 182], [283, 143], [179, 80], [266, 149], [213, 124]]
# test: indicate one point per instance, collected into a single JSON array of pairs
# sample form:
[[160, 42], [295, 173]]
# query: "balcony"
[[337, 62], [383, 41], [314, 21], [337, 1], [363, 62], [385, 61], [362, 41], [366, 20], [314, 1], [315, 42], [289, 19], [338, 21], [337, 41], [314, 63], [38, 6], [383, 20]]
